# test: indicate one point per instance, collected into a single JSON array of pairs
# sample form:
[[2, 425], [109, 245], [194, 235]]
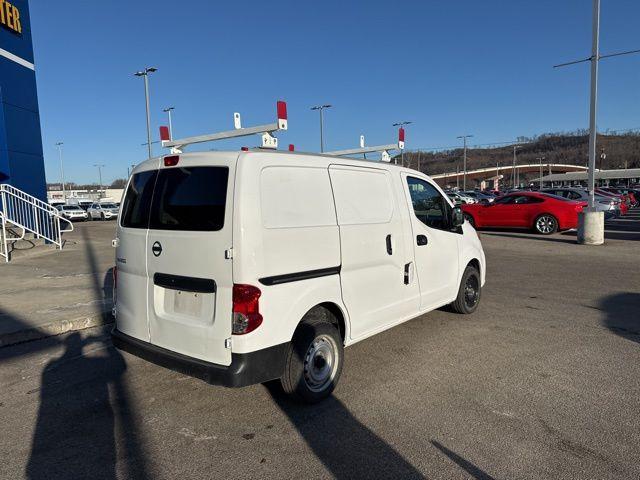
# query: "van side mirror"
[[457, 217]]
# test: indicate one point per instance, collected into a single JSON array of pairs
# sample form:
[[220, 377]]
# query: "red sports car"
[[541, 212]]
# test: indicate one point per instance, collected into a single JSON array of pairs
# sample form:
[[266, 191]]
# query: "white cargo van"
[[243, 267]]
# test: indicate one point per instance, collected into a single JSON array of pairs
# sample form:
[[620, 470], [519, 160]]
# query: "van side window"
[[137, 201], [429, 206]]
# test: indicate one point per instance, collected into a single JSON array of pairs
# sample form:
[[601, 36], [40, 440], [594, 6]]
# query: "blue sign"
[[21, 156]]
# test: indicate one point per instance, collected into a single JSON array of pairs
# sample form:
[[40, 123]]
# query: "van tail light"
[[171, 161], [115, 277], [246, 309]]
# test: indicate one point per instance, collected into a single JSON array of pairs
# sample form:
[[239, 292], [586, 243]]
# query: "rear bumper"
[[245, 369]]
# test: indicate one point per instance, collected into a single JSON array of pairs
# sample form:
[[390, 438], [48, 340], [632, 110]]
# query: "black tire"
[[545, 224], [469, 292], [308, 377], [103, 217], [470, 219]]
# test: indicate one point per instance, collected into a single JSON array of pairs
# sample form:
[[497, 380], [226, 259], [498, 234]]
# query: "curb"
[[56, 328]]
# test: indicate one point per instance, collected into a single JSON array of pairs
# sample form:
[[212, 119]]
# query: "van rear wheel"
[[313, 363], [469, 292]]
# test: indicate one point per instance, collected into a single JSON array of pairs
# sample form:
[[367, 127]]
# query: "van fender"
[[283, 307], [471, 251]]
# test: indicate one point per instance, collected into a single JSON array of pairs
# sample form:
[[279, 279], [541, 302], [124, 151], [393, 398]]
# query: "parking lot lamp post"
[[64, 192], [513, 170], [168, 111], [464, 161], [100, 166], [145, 73], [401, 124], [541, 159], [321, 108]]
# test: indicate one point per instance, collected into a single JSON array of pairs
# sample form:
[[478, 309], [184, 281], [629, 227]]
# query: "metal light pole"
[[64, 191], [402, 124], [320, 108], [145, 73], [100, 166], [513, 170], [464, 161], [168, 111], [541, 159]]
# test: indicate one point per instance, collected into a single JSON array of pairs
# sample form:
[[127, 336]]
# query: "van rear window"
[[190, 199], [137, 202]]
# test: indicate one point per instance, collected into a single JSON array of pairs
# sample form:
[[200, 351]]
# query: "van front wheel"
[[314, 360], [469, 292]]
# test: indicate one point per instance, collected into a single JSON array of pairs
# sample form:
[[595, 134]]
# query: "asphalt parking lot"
[[543, 381]]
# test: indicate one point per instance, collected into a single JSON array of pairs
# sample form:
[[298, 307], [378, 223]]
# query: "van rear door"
[[190, 281], [131, 254]]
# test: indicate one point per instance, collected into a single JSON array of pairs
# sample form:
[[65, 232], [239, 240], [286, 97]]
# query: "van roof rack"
[[379, 148], [268, 140]]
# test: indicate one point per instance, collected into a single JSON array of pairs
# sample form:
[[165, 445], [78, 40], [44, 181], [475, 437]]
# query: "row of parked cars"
[[94, 211], [545, 211]]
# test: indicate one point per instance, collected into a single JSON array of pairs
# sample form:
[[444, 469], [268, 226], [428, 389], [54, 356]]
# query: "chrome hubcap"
[[471, 292], [320, 363], [545, 224]]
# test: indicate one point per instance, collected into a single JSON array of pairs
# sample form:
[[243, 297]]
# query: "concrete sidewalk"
[[50, 292]]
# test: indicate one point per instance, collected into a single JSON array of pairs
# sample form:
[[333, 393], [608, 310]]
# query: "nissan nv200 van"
[[244, 267]]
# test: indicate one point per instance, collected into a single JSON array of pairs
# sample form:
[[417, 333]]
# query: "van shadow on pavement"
[[346, 447], [623, 314], [467, 466], [82, 400]]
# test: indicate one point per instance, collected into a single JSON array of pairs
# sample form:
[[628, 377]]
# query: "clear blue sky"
[[452, 67]]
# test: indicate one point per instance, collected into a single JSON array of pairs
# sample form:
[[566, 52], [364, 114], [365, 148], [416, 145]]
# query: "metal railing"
[[30, 214]]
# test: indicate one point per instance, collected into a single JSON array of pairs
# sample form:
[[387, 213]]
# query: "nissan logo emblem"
[[156, 249]]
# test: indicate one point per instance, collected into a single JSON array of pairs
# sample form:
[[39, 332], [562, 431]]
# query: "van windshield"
[[190, 198]]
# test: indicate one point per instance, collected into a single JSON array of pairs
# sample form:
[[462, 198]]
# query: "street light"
[[100, 167], [64, 193], [145, 73], [320, 108], [513, 170], [464, 161], [168, 111], [541, 159], [401, 124]]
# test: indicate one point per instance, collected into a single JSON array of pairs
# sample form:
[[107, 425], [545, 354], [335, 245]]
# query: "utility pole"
[[145, 74], [64, 191], [321, 108], [100, 167], [591, 223], [401, 124], [464, 161], [497, 184], [168, 111], [419, 154], [457, 177]]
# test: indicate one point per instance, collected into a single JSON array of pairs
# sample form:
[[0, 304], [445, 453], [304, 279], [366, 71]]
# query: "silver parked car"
[[459, 198], [610, 206], [479, 196], [103, 211]]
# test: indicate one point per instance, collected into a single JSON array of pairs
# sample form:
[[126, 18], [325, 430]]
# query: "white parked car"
[[103, 211], [243, 267], [72, 212]]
